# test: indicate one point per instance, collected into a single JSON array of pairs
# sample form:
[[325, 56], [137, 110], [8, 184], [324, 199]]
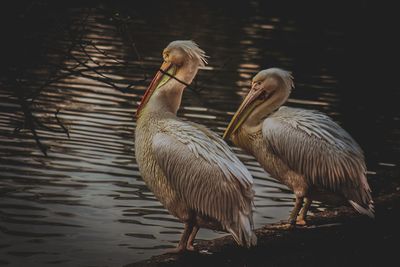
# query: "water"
[[85, 204]]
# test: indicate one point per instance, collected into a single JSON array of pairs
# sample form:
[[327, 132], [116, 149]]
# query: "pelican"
[[190, 169], [304, 149]]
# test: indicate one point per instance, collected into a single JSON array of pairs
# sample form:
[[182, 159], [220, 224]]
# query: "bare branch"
[[61, 124]]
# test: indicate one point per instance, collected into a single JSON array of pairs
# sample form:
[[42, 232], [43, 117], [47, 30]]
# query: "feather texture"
[[207, 176], [191, 171], [313, 145]]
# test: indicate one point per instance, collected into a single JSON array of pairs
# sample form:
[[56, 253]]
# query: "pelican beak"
[[245, 109], [159, 80]]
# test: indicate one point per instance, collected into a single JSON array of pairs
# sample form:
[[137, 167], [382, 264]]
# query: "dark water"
[[84, 70]]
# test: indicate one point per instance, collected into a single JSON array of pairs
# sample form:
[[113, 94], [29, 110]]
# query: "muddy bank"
[[334, 238]]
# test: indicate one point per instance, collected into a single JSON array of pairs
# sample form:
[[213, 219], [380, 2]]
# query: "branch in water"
[[29, 123], [76, 51], [61, 124]]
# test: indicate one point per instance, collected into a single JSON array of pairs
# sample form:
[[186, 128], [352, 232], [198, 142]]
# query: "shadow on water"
[[70, 83]]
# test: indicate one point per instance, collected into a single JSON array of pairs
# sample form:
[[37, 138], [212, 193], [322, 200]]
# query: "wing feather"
[[204, 171], [314, 146]]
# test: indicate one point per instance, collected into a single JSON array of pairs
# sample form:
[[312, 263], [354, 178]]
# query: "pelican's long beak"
[[245, 109], [159, 79]]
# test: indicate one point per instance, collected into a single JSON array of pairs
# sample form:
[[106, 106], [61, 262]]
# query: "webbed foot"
[[177, 250], [301, 222]]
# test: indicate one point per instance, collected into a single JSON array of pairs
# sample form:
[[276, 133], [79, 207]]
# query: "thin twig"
[[206, 81], [52, 80], [104, 79], [61, 124], [89, 56], [29, 122], [104, 53]]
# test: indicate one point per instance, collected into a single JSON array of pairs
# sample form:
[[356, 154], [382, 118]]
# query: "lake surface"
[[81, 72]]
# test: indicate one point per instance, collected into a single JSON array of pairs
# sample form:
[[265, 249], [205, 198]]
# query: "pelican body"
[[190, 169], [304, 149]]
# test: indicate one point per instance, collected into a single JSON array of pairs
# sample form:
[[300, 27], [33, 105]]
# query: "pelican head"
[[270, 88], [180, 52], [178, 55]]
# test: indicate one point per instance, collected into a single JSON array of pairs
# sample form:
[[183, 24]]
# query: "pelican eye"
[[166, 55], [256, 83]]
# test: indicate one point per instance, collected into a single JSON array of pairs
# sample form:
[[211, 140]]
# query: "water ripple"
[[85, 204]]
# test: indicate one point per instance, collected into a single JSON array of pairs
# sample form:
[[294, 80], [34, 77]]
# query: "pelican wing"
[[313, 145], [204, 172]]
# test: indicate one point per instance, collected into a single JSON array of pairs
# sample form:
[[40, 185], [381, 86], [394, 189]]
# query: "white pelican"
[[190, 169], [304, 149]]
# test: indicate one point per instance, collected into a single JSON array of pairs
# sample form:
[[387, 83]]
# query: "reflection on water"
[[85, 203]]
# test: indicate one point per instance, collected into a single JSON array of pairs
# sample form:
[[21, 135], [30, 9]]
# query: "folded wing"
[[314, 146], [207, 176]]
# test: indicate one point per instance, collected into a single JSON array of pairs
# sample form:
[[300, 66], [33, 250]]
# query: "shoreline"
[[338, 237]]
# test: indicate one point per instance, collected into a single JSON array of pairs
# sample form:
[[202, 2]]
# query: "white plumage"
[[191, 170], [304, 149]]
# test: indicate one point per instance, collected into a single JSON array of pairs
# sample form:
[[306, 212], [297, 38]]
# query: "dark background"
[[355, 42]]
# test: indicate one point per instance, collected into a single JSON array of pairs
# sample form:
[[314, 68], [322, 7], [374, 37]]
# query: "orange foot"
[[190, 247], [178, 249], [301, 222]]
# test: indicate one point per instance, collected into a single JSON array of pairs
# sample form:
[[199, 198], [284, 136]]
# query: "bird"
[[303, 149], [190, 169]]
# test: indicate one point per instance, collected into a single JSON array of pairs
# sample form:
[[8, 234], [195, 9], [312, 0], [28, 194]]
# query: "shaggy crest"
[[191, 49]]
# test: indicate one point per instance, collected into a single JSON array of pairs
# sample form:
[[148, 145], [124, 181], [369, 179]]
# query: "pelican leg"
[[301, 219], [184, 239], [192, 236], [295, 211]]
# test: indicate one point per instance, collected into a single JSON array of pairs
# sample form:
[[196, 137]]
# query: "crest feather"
[[191, 49]]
